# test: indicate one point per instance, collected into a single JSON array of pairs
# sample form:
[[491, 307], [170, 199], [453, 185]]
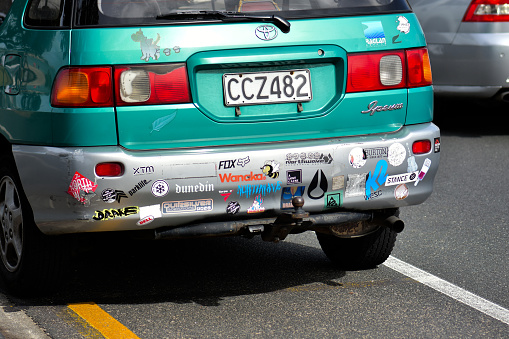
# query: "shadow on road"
[[203, 271]]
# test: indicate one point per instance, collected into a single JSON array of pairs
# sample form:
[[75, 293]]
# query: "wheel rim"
[[11, 218]]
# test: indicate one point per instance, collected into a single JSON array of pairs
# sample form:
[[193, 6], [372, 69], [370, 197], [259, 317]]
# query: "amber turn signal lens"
[[83, 87]]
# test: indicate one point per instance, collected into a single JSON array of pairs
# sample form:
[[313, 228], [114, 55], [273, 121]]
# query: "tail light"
[[419, 68], [160, 84], [421, 147], [134, 85], [388, 70], [83, 87], [487, 11], [109, 169]]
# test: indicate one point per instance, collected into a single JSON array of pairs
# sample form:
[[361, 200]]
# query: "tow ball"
[[286, 222]]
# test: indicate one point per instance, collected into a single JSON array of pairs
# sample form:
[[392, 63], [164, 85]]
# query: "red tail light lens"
[[136, 85], [109, 169], [160, 84], [376, 71], [421, 147], [419, 68], [388, 70], [487, 11], [83, 87]]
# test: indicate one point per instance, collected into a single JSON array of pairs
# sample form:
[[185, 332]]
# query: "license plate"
[[242, 89]]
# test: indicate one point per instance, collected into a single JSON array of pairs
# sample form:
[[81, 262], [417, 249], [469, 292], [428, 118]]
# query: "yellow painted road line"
[[108, 326]]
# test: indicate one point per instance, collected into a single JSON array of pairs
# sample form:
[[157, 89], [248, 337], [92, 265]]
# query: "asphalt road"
[[234, 287]]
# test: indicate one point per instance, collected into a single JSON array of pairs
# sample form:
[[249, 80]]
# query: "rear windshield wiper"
[[278, 21]]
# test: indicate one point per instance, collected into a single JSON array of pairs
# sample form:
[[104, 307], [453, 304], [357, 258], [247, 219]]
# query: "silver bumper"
[[178, 187]]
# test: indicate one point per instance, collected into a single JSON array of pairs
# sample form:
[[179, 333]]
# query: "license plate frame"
[[269, 87]]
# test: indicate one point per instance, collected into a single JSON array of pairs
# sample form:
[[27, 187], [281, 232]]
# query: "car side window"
[[45, 13], [5, 5]]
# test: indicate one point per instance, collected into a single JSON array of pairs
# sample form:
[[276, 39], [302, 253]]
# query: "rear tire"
[[31, 262], [358, 253]]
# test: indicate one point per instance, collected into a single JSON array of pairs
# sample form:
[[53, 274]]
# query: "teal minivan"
[[179, 119]]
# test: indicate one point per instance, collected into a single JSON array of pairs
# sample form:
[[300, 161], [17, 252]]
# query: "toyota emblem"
[[266, 32]]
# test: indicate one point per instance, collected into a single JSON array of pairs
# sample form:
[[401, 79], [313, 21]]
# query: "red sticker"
[[80, 183]]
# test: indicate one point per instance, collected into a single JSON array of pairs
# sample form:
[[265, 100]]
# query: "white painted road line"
[[451, 290]]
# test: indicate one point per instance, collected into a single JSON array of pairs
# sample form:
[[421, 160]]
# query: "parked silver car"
[[468, 42]]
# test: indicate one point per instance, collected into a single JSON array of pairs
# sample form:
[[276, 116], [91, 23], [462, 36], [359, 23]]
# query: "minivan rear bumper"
[[176, 187]]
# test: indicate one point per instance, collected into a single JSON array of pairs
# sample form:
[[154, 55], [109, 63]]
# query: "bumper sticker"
[[424, 170], [288, 194], [79, 184], [401, 178], [397, 154], [187, 206], [355, 185], [401, 192]]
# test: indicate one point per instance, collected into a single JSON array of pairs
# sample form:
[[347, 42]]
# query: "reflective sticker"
[[355, 185], [158, 124], [149, 47]]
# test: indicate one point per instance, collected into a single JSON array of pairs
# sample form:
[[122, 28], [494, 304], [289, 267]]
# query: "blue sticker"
[[374, 33], [377, 178], [288, 194]]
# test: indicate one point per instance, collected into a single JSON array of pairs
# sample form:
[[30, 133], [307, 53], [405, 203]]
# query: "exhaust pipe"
[[394, 223], [503, 96]]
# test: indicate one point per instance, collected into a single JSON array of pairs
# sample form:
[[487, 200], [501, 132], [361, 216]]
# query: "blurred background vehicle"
[[468, 42]]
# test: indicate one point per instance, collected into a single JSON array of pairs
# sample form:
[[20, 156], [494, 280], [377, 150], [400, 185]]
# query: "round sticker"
[[109, 195], [357, 157], [401, 192], [396, 154], [160, 188]]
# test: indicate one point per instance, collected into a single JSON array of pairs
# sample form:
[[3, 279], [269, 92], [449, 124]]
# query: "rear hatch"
[[186, 78]]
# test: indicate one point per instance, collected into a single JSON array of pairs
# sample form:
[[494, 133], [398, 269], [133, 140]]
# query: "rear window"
[[139, 12]]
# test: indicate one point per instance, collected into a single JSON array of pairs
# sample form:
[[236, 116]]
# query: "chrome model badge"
[[374, 107], [266, 32]]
